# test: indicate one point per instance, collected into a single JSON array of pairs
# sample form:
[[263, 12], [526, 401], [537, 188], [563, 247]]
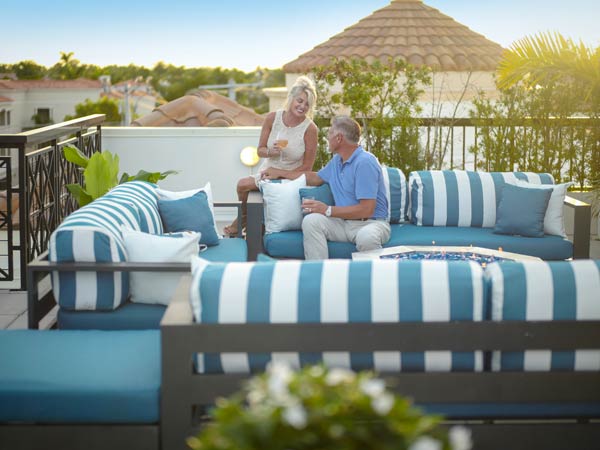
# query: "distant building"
[[27, 103], [138, 95], [463, 61], [200, 109]]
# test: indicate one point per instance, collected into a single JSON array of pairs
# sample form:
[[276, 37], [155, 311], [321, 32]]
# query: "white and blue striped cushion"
[[93, 234], [338, 291], [397, 192], [461, 198], [144, 196], [539, 291]]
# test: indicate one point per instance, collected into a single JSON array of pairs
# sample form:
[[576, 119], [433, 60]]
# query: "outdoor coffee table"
[[480, 255]]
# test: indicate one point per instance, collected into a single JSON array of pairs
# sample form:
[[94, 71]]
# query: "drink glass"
[[304, 209], [282, 142]]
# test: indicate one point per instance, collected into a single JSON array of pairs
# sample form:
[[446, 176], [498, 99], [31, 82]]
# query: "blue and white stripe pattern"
[[144, 196], [461, 198], [396, 189], [338, 291], [93, 234], [539, 291]]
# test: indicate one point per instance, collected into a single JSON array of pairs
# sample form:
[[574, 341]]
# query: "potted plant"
[[317, 408], [100, 174]]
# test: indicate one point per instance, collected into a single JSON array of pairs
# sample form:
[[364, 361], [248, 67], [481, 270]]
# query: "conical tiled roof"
[[412, 31]]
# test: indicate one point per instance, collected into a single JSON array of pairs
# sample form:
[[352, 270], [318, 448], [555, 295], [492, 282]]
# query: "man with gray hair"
[[361, 206]]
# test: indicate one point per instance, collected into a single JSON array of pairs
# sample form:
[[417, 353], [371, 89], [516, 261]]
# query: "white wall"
[[201, 154], [60, 101]]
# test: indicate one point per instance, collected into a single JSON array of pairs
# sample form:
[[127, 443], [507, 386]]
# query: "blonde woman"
[[288, 142]]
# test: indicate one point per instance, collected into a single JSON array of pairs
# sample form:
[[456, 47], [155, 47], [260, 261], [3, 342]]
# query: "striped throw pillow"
[[338, 291], [397, 193], [93, 234], [461, 198], [538, 290]]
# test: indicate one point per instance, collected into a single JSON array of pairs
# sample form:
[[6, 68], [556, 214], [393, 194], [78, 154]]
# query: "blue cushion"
[[339, 291], [80, 376], [542, 291], [521, 211], [228, 250], [128, 316], [321, 193], [189, 214], [461, 198], [397, 194], [288, 244]]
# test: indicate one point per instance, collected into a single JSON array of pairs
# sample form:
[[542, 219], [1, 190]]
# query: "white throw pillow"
[[172, 195], [553, 220], [282, 205], [157, 287]]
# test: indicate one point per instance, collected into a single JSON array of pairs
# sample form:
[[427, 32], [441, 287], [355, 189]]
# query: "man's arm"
[[362, 210]]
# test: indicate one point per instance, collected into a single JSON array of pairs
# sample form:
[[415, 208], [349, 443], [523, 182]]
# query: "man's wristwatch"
[[328, 211]]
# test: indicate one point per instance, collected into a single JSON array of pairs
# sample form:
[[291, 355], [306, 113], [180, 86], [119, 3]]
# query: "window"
[[3, 117], [42, 116], [7, 117]]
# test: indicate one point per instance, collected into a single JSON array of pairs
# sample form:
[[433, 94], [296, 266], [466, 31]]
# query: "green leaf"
[[101, 174], [75, 156], [80, 195], [124, 178], [152, 177]]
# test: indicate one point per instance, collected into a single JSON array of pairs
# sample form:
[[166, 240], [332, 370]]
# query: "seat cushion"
[[288, 244], [231, 249], [128, 316], [79, 376], [339, 291]]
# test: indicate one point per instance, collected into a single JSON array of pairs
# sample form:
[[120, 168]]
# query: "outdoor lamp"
[[249, 156]]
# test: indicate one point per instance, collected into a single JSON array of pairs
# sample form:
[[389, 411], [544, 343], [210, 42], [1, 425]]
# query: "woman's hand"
[[275, 151], [270, 173]]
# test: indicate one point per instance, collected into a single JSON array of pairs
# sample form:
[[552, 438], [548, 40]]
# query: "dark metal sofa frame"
[[581, 226], [182, 389]]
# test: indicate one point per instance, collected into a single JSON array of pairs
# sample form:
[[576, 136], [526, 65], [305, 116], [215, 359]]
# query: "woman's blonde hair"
[[303, 84]]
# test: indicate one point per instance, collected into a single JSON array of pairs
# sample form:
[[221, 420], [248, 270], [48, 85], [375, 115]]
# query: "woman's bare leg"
[[244, 186]]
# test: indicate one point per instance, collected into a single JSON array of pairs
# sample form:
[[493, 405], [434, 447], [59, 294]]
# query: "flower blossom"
[[339, 376], [460, 438], [426, 443], [295, 416]]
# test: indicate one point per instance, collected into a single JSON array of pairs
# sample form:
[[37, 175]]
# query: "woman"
[[288, 141]]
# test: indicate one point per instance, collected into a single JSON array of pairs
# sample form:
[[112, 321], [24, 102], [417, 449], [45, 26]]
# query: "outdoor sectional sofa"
[[442, 208], [449, 334], [91, 240]]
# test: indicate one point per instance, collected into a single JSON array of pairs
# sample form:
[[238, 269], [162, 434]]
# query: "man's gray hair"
[[348, 127], [303, 84]]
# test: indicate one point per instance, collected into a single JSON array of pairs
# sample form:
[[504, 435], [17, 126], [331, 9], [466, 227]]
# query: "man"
[[356, 180]]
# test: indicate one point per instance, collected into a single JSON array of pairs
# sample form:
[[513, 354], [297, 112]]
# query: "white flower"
[[339, 376], [426, 443], [382, 404], [295, 415], [460, 438], [373, 387], [279, 377]]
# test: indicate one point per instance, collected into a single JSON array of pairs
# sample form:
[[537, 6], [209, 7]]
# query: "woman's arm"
[[262, 150]]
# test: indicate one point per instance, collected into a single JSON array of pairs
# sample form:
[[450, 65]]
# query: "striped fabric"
[[537, 290], [461, 198], [397, 193], [93, 234], [338, 291]]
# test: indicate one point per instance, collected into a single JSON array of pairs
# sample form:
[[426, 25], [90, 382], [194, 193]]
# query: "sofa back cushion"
[[461, 198], [338, 291], [542, 291], [93, 234], [397, 193]]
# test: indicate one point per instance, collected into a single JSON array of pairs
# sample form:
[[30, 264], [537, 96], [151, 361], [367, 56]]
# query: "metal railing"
[[35, 157]]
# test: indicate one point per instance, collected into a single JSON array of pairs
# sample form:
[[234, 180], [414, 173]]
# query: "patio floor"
[[13, 304]]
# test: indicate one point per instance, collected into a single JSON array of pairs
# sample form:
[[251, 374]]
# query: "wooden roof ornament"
[[412, 31]]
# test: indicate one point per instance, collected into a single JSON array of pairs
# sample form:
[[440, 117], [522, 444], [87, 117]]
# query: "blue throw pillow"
[[320, 193], [521, 211], [189, 214]]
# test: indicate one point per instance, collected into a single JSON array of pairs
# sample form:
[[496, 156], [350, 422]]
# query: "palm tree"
[[551, 60]]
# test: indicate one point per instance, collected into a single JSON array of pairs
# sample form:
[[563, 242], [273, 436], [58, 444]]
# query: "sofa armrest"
[[254, 227], [581, 227], [40, 298]]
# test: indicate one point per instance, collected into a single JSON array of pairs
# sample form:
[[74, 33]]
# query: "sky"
[[246, 34]]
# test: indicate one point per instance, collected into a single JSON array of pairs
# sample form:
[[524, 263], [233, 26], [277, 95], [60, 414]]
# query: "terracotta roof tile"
[[202, 108], [410, 30], [5, 99]]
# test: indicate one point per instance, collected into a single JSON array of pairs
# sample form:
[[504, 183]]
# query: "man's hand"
[[314, 206]]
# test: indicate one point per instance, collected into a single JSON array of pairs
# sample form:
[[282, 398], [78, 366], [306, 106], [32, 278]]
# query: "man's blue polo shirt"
[[356, 179]]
